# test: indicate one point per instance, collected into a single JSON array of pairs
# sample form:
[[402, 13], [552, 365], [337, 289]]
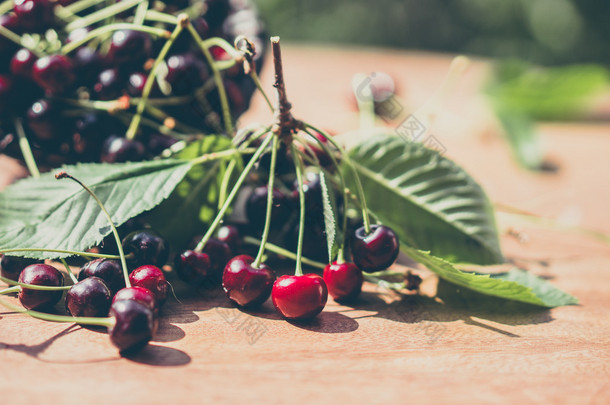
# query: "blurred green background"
[[548, 32]]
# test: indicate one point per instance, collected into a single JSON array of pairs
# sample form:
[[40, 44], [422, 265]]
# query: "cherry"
[[375, 251], [135, 84], [219, 253], [245, 285], [6, 90], [299, 297], [10, 22], [11, 266], [134, 325], [256, 207], [34, 15], [87, 138], [151, 278], [146, 247], [43, 120], [22, 63], [140, 294], [129, 47], [192, 266], [344, 281], [109, 85], [40, 274], [230, 235], [88, 297], [108, 270], [185, 73], [117, 149], [53, 73], [157, 143]]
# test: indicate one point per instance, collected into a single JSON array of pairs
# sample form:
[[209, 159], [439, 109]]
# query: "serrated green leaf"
[[52, 214], [193, 203], [428, 200], [516, 285], [331, 224]]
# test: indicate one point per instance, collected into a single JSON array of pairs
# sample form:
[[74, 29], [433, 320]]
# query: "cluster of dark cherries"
[[42, 88]]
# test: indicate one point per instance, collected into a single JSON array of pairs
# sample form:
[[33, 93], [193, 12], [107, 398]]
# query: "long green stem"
[[81, 320], [224, 185], [81, 5], [222, 94], [259, 86], [135, 122], [69, 271], [62, 175], [365, 215], [34, 286], [270, 185], [232, 195], [298, 164], [154, 15], [102, 14], [6, 6], [26, 151], [10, 290], [283, 252], [68, 252]]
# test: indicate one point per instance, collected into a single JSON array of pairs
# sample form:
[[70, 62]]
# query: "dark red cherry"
[[246, 285], [146, 247], [45, 122], [34, 15], [219, 253], [88, 297], [299, 297], [109, 85], [22, 63], [40, 274], [344, 281], [108, 270], [375, 251], [88, 136], [230, 235], [129, 47], [140, 294], [53, 73], [256, 207], [87, 65], [6, 92], [134, 325], [11, 266], [157, 143], [185, 73], [10, 22], [151, 278], [117, 149], [135, 84], [192, 267]]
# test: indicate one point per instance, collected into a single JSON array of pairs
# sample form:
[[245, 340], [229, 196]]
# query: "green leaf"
[[516, 285], [547, 93], [52, 214], [331, 224], [429, 201], [522, 138], [193, 204]]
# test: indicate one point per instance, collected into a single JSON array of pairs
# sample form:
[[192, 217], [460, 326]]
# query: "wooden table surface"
[[382, 349]]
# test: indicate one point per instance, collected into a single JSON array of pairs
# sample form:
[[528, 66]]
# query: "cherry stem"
[[10, 35], [222, 94], [366, 105], [86, 255], [155, 15], [107, 322], [259, 86], [34, 286], [298, 164], [283, 252], [26, 151], [224, 185], [14, 289], [150, 80], [270, 185], [101, 14], [81, 5], [232, 194], [285, 122], [62, 175], [365, 213], [69, 271]]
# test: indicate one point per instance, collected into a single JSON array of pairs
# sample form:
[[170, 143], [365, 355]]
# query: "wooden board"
[[383, 349]]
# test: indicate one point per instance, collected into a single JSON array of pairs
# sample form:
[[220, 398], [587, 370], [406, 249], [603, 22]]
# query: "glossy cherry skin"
[[44, 121], [108, 270], [375, 251], [10, 22], [151, 278], [11, 266], [109, 85], [219, 253], [343, 280], [147, 247], [53, 73], [256, 207], [40, 274], [299, 297], [134, 325], [117, 149], [185, 73], [192, 267], [140, 294], [129, 47], [34, 15], [22, 63], [230, 235], [88, 297], [246, 285]]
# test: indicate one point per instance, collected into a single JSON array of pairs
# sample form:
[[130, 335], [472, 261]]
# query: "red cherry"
[[22, 63], [40, 274], [375, 251], [299, 297], [53, 73], [134, 325], [152, 278], [246, 285], [344, 280], [140, 294], [192, 267], [34, 15]]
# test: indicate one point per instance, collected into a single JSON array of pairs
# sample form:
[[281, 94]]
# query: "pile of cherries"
[[41, 87]]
